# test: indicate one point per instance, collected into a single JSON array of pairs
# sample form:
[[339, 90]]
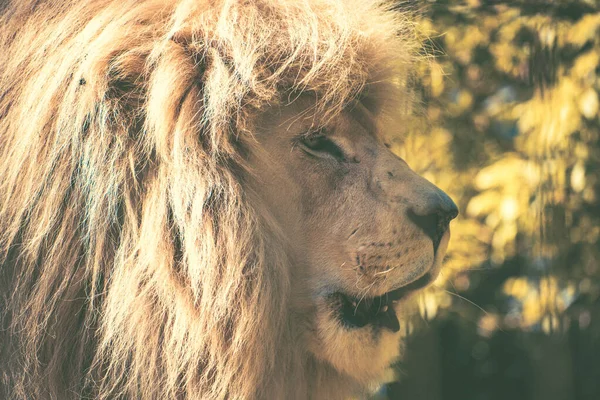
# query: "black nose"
[[433, 216]]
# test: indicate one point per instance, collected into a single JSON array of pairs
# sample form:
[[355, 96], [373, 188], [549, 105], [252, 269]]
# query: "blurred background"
[[508, 124]]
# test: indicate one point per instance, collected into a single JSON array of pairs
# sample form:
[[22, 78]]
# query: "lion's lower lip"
[[378, 311]]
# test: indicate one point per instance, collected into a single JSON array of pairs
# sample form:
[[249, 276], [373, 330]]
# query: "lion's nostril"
[[434, 224], [433, 215], [428, 223]]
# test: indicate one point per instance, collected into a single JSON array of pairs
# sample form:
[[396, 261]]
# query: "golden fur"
[[133, 262]]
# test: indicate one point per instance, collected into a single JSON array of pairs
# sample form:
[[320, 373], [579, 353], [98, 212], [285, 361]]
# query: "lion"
[[197, 200]]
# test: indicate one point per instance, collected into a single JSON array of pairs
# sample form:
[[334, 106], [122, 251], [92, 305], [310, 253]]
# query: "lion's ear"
[[172, 79], [187, 87]]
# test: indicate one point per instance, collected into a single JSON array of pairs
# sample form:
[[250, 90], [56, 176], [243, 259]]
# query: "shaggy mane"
[[133, 264]]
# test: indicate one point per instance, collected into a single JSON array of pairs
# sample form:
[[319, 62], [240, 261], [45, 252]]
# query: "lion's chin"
[[360, 337], [363, 353]]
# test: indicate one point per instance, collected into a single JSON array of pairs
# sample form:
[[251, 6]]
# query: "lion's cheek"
[[366, 354]]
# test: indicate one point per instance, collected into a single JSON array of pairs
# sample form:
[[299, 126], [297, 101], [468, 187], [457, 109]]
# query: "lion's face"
[[365, 230]]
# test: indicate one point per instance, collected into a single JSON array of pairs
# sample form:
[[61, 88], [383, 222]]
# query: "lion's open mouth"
[[378, 311]]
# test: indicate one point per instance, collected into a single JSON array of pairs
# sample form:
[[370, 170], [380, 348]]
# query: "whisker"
[[449, 280], [384, 272], [362, 297], [465, 299]]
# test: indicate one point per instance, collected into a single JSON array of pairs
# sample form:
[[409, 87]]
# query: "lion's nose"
[[433, 215]]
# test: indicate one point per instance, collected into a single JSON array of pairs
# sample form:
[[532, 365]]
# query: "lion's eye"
[[321, 146]]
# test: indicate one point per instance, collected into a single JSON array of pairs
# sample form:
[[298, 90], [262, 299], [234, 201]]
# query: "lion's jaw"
[[367, 353], [361, 228]]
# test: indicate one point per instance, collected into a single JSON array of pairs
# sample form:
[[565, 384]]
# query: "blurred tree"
[[508, 124]]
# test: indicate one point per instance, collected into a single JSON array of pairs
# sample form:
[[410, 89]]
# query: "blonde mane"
[[133, 262]]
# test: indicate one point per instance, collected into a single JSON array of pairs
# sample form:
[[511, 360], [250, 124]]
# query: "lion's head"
[[197, 201], [365, 230]]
